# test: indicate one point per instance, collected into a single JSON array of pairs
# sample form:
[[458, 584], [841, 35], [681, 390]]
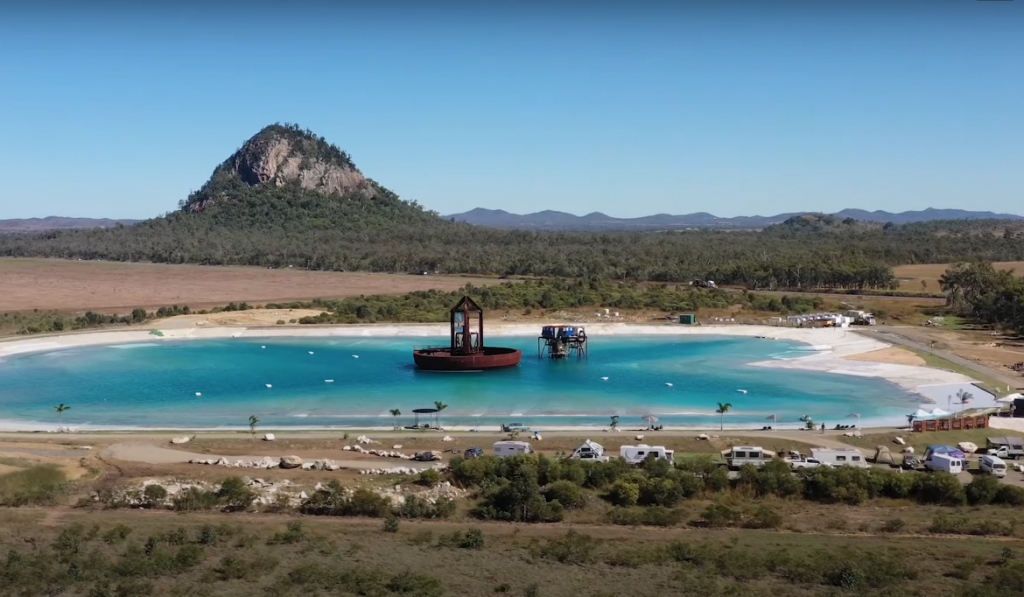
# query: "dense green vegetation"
[[37, 322], [978, 291], [432, 305], [232, 221]]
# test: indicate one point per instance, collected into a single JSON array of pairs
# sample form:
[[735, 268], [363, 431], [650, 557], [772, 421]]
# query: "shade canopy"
[[650, 418], [424, 411]]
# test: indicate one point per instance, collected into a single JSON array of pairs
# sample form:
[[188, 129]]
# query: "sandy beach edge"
[[826, 347]]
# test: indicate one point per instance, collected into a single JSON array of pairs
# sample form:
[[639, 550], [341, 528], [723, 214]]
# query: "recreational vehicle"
[[938, 461], [839, 457], [588, 450], [737, 456], [511, 448], [639, 453], [992, 465]]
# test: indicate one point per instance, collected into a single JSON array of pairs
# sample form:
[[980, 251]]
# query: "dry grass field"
[[911, 276], [118, 287]]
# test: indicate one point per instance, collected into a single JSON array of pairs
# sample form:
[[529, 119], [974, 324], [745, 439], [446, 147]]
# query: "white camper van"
[[992, 465], [639, 453], [840, 457], [944, 462], [511, 448]]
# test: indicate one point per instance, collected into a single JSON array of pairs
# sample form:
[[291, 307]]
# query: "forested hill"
[[287, 197]]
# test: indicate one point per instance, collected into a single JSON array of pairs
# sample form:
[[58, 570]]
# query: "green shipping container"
[[688, 319]]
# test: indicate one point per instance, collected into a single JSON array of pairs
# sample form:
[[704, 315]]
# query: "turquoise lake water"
[[154, 385]]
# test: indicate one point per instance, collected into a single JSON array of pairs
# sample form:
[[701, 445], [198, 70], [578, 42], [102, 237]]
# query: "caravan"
[[839, 457], [637, 454], [992, 465], [511, 448], [737, 456]]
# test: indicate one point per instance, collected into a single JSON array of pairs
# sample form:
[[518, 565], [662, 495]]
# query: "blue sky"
[[735, 108]]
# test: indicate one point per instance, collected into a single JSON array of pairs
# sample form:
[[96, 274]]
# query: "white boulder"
[[290, 462]]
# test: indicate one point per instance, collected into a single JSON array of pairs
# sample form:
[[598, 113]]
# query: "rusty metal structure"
[[562, 341], [466, 350]]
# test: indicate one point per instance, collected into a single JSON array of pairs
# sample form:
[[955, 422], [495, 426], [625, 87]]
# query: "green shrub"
[[982, 490], [940, 488], [470, 539], [154, 495], [194, 499], [207, 535], [40, 485], [720, 515], [117, 534], [1009, 495], [415, 585], [566, 493], [235, 495], [430, 477], [624, 493], [649, 516], [293, 533], [391, 524]]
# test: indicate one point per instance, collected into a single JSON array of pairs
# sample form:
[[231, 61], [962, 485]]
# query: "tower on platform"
[[562, 342], [466, 350]]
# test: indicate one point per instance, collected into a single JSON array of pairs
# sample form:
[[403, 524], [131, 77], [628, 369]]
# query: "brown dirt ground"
[[895, 355], [982, 346], [116, 287], [910, 276]]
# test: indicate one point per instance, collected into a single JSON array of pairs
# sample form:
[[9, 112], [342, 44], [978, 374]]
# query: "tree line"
[[979, 291]]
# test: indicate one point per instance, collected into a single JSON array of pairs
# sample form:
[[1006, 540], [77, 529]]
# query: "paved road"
[[895, 337]]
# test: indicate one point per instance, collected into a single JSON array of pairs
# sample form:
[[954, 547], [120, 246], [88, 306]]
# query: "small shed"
[[687, 319]]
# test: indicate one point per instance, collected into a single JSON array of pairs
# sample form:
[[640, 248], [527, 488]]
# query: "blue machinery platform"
[[562, 341]]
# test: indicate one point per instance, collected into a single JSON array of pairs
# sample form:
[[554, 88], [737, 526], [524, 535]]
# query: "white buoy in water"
[[355, 356], [311, 352], [262, 346], [199, 393], [269, 386], [604, 379], [328, 381], [669, 384], [742, 391]]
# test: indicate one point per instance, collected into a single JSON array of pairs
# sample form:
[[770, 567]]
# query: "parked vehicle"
[[840, 456], [737, 456], [473, 453], [514, 427], [910, 462], [511, 448], [589, 450], [805, 462], [992, 465], [945, 463], [1005, 447], [639, 453]]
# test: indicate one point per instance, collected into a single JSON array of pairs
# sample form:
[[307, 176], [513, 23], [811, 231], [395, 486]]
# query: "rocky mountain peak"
[[283, 154]]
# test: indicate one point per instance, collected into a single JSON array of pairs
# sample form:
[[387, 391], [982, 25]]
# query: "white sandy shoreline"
[[828, 347]]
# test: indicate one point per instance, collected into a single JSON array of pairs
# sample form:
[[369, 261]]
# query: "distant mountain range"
[[59, 223], [557, 220]]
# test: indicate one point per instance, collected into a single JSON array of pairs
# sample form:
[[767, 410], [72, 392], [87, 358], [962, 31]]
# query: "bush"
[[566, 493], [982, 490], [573, 548], [624, 493], [40, 485], [649, 516], [1009, 495], [417, 585], [470, 539], [763, 518], [893, 525], [720, 515], [154, 495], [940, 488], [235, 495], [391, 524], [430, 477], [194, 499]]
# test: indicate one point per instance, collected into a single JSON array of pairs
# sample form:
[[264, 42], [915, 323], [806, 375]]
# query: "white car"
[[806, 463]]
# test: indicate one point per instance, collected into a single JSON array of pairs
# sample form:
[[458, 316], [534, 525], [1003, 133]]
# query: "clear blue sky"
[[736, 108]]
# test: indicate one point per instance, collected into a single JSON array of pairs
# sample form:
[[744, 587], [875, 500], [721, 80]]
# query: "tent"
[[921, 414], [940, 449], [938, 412], [884, 456]]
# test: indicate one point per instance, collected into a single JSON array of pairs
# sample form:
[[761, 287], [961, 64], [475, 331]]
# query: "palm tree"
[[437, 416], [60, 408], [253, 422], [722, 409], [615, 422], [395, 413]]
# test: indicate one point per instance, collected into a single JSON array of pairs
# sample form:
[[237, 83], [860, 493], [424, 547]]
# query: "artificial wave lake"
[[219, 383]]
